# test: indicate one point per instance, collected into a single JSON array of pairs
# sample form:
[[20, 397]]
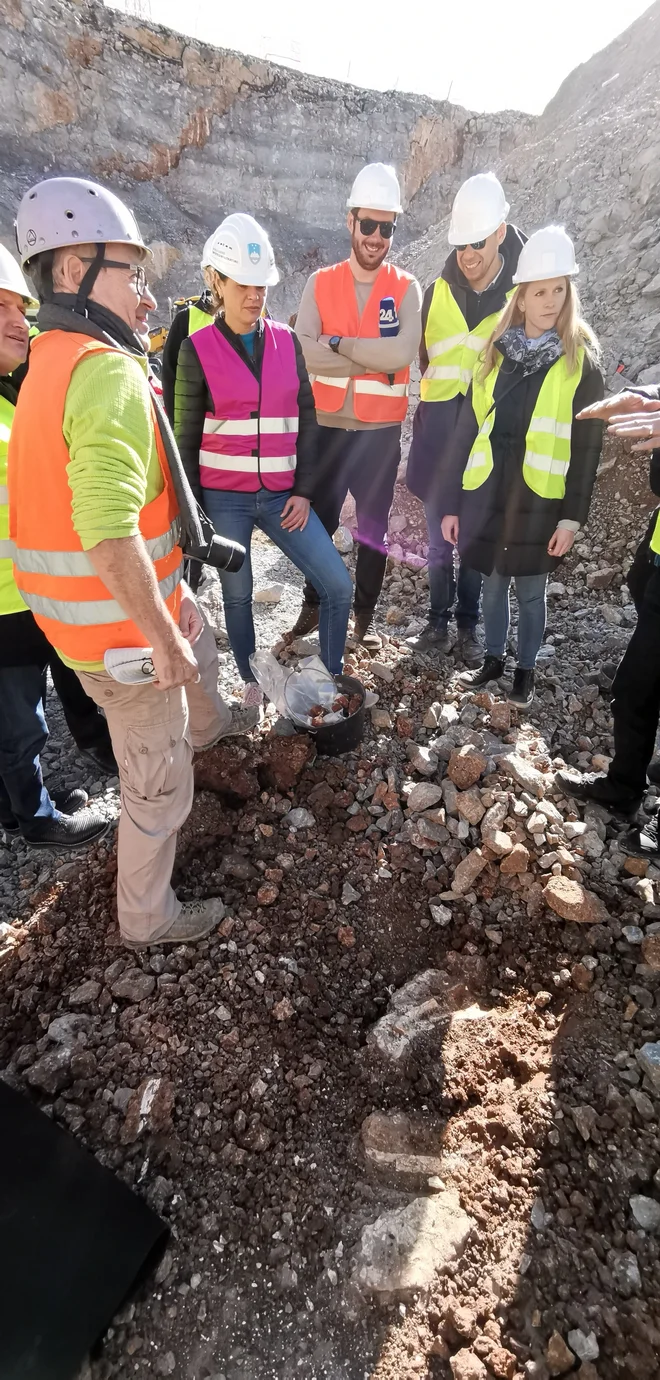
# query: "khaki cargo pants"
[[153, 736]]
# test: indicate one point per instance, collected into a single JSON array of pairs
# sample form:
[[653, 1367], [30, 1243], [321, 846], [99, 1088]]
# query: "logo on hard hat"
[[31, 237], [254, 252]]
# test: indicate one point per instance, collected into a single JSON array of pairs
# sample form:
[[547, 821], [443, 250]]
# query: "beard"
[[368, 261]]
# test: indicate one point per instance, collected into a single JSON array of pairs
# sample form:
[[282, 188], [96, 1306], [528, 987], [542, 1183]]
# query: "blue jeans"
[[234, 515], [443, 583], [23, 736], [530, 592]]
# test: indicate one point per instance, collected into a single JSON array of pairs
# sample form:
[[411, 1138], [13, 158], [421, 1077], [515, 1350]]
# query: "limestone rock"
[[466, 1366], [558, 1356], [651, 951], [422, 759], [380, 719], [469, 806], [414, 1012], [86, 994], [572, 901], [403, 1251], [423, 796], [134, 985], [300, 818], [465, 767], [52, 1072], [648, 1058], [524, 773], [584, 1344], [501, 844], [646, 1212], [403, 1150], [467, 871], [271, 594], [150, 1109], [516, 861]]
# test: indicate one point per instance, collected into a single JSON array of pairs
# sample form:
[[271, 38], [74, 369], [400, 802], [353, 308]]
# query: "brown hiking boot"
[[307, 621], [364, 633]]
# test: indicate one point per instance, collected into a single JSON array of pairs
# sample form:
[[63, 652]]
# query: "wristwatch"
[[334, 343]]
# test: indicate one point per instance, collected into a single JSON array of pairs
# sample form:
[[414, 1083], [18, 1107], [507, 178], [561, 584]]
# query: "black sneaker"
[[468, 648], [596, 786], [102, 757], [431, 639], [67, 831], [522, 690], [492, 669], [307, 620], [642, 842], [67, 802]]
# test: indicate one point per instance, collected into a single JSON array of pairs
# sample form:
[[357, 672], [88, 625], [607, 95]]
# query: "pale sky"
[[480, 54]]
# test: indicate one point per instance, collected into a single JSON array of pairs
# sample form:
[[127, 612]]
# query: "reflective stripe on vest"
[[452, 349], [375, 398], [250, 438], [10, 599], [548, 441], [70, 602], [198, 319]]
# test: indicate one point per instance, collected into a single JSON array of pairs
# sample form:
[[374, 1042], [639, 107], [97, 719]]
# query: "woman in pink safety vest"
[[245, 423]]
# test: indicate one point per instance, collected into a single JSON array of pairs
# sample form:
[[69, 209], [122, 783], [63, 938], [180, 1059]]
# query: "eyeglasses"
[[369, 227], [476, 244], [138, 274]]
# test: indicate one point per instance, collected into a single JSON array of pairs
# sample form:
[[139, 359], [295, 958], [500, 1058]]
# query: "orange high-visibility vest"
[[56, 578], [375, 399]]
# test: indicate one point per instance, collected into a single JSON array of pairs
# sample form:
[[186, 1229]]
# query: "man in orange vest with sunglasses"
[[98, 509], [359, 324]]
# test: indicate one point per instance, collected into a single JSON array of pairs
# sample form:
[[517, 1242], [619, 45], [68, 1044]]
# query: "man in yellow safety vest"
[[459, 313]]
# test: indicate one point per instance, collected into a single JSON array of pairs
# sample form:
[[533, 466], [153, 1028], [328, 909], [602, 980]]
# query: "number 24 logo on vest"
[[387, 317]]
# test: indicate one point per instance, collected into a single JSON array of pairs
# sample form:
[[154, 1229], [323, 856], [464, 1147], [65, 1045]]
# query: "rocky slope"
[[188, 133], [592, 162]]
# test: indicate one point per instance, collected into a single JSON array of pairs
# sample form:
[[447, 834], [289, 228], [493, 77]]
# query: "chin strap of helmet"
[[89, 280]]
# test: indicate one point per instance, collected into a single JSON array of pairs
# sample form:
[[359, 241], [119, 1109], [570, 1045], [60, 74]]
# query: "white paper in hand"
[[130, 665]]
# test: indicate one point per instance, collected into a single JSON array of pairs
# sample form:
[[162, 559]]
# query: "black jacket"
[[434, 422], [192, 401], [504, 525], [178, 332]]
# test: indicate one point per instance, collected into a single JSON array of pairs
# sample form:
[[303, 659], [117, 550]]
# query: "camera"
[[218, 552]]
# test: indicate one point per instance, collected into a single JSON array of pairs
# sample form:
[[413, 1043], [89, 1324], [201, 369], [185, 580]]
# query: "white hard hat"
[[11, 278], [206, 261], [376, 188], [65, 211], [479, 208], [548, 253], [241, 250]]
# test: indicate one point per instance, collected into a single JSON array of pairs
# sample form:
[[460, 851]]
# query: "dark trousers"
[[364, 463], [24, 733], [636, 693]]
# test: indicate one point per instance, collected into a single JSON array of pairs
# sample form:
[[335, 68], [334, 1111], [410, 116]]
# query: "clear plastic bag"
[[294, 692]]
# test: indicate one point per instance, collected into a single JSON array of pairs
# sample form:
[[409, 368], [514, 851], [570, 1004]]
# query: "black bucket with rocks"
[[347, 733]]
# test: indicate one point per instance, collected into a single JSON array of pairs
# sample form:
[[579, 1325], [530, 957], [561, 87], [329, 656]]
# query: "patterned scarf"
[[531, 355]]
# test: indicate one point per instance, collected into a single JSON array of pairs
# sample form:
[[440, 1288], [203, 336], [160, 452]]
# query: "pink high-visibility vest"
[[250, 437]]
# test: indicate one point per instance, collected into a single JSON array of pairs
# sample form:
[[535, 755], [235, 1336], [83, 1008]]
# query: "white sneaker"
[[195, 920], [253, 695]]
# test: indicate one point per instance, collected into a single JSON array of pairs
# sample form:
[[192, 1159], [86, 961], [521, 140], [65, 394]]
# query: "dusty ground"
[[534, 1106]]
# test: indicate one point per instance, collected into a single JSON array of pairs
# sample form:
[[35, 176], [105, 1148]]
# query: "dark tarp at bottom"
[[74, 1242]]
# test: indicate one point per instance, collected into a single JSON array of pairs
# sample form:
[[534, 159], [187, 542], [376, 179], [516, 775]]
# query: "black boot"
[[522, 690], [67, 831], [596, 786], [468, 648], [307, 620], [431, 639], [102, 757], [66, 801], [642, 842], [492, 669]]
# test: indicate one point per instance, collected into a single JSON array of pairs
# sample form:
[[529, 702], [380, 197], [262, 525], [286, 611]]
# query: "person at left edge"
[[26, 806], [246, 430], [99, 511]]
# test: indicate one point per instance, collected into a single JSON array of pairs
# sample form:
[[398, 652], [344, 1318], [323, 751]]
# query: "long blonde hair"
[[573, 330]]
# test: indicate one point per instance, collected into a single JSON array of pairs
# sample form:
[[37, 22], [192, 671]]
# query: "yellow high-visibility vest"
[[452, 348], [548, 440], [10, 599]]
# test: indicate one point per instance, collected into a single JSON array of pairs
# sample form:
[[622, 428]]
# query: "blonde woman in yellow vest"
[[521, 466], [459, 312]]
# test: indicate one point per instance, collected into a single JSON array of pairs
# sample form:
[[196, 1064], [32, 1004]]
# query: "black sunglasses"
[[476, 244], [369, 227]]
